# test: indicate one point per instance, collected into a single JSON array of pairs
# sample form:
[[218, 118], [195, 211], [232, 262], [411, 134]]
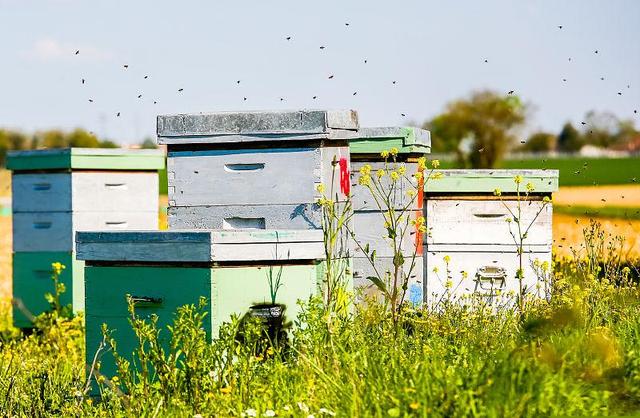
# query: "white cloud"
[[48, 49]]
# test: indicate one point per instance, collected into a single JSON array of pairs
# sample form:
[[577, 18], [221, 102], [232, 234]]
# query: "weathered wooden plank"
[[187, 128], [86, 158], [485, 222], [302, 216], [85, 191], [200, 246], [479, 268], [49, 192], [53, 231], [247, 176], [408, 140], [369, 229], [486, 181]]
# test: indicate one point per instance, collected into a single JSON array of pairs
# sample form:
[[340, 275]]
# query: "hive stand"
[[254, 170], [59, 191], [468, 223], [165, 270], [368, 220]]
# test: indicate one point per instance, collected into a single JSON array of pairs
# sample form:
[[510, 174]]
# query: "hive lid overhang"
[[201, 246], [86, 159], [229, 127], [486, 181], [408, 140]]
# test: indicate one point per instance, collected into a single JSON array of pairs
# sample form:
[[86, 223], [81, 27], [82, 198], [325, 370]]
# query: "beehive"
[[368, 220], [162, 271], [59, 191], [472, 227], [256, 170]]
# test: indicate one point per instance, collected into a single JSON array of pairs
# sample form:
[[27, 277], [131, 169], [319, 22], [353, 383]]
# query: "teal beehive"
[[59, 191], [162, 271]]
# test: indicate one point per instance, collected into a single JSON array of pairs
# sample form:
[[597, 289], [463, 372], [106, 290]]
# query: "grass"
[[611, 212], [578, 171], [575, 355]]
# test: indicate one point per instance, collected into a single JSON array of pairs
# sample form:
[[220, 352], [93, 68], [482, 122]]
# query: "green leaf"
[[394, 412], [379, 283]]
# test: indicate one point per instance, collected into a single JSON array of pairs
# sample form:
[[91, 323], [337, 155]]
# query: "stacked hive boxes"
[[58, 192], [254, 170], [162, 271], [411, 143], [470, 248], [242, 208]]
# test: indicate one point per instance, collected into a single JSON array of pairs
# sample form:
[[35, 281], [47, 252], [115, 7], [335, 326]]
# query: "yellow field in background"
[[627, 195]]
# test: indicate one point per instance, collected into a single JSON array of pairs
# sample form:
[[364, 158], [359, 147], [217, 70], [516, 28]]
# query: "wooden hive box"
[[164, 270], [368, 220], [57, 192], [468, 223], [258, 170]]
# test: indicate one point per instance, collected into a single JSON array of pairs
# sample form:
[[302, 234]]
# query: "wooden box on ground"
[[470, 248], [368, 219], [165, 270], [255, 170], [60, 191]]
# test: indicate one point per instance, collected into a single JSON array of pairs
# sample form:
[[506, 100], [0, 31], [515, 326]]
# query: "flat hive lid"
[[229, 127], [86, 158], [486, 181], [407, 140], [206, 246]]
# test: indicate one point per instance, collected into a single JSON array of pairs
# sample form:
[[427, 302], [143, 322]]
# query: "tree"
[[540, 142], [485, 123], [11, 140], [569, 139], [148, 143], [108, 144], [80, 138]]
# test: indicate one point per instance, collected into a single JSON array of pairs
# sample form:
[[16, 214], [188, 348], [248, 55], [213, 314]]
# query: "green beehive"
[[368, 221], [59, 191], [162, 271]]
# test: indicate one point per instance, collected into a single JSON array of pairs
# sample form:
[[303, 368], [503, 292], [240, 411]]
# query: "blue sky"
[[434, 51]]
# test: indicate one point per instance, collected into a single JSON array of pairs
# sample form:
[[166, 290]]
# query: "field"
[[578, 171]]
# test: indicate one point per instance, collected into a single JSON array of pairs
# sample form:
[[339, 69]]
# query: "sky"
[[419, 56]]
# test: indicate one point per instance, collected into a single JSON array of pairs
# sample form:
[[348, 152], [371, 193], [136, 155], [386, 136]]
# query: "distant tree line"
[[79, 138], [482, 128]]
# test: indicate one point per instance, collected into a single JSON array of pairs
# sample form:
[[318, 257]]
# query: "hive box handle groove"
[[244, 167]]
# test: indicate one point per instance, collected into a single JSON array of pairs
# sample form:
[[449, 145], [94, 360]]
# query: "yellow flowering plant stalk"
[[520, 231], [394, 192], [336, 216]]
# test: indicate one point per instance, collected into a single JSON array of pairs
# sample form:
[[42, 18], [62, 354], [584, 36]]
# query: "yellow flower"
[[115, 379], [465, 274], [497, 192], [422, 163], [517, 179], [447, 259], [364, 180], [436, 176], [546, 199], [530, 187], [365, 170], [393, 151], [384, 154], [435, 163], [435, 269], [414, 405], [270, 351], [57, 267], [380, 173], [411, 193], [418, 175], [394, 176], [448, 284], [320, 188], [402, 170]]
